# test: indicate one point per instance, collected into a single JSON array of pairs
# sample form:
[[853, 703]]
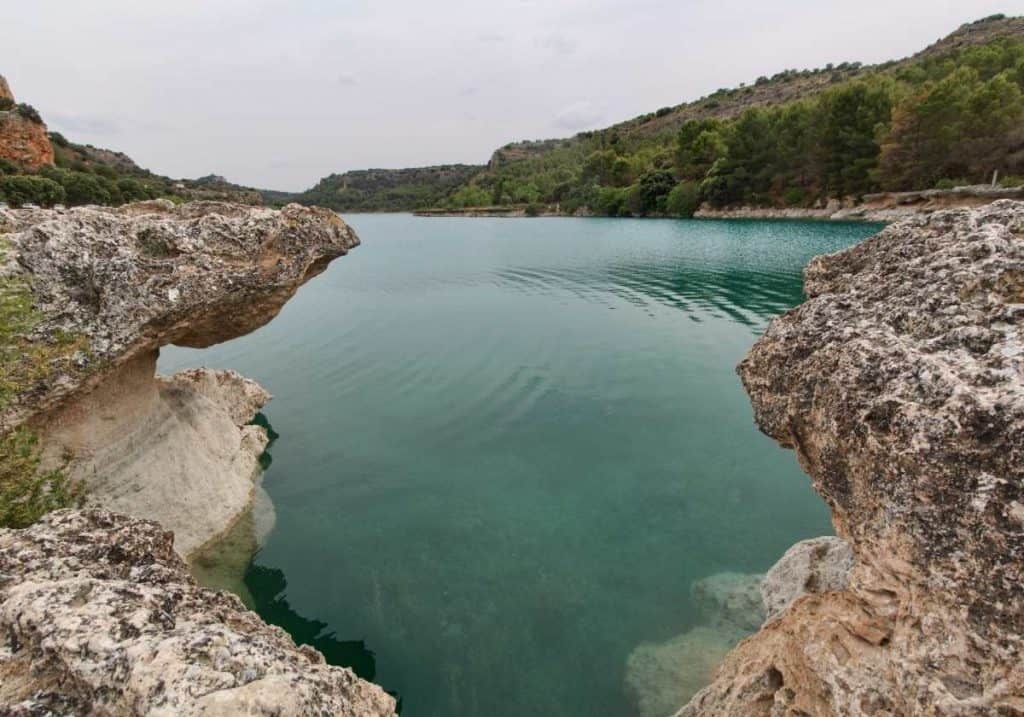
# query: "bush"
[[6, 103], [683, 200], [533, 209], [84, 188], [794, 196], [28, 112], [20, 189]]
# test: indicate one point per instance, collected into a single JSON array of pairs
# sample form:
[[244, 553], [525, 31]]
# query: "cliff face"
[[101, 617], [23, 140], [109, 287], [900, 385]]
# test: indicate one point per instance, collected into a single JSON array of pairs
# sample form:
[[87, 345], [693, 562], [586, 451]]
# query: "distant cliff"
[[23, 138]]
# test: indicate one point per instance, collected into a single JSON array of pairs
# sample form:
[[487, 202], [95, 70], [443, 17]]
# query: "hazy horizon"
[[277, 95]]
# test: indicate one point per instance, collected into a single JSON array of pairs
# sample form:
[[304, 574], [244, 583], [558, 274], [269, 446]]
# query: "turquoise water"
[[507, 448]]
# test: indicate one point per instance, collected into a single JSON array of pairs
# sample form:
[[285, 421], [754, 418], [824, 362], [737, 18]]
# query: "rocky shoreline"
[[900, 386], [99, 612]]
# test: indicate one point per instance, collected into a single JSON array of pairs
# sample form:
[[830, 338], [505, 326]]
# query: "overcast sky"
[[278, 94]]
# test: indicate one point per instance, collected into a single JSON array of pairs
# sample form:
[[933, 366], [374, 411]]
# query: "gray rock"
[[99, 615], [811, 566]]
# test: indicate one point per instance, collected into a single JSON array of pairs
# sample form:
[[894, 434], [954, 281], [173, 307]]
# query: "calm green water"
[[507, 448]]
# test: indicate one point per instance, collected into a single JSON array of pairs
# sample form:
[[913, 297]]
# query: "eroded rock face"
[[98, 615], [134, 278], [126, 281], [900, 385], [22, 140]]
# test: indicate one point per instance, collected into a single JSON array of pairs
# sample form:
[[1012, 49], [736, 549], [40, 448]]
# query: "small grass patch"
[[26, 492]]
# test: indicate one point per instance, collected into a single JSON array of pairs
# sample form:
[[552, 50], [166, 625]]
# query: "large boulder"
[[99, 616], [900, 386]]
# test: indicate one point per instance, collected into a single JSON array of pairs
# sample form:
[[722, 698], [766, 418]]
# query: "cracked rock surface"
[[100, 616], [900, 386]]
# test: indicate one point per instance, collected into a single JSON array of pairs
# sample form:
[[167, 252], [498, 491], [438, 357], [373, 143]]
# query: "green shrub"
[[795, 196], [28, 112], [20, 189], [26, 492], [684, 199], [533, 209]]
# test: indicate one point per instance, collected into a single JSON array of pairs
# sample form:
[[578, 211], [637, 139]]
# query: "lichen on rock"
[[99, 615], [97, 291], [900, 386]]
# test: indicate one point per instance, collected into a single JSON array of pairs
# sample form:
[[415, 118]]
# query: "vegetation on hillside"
[[936, 120], [83, 174], [382, 190]]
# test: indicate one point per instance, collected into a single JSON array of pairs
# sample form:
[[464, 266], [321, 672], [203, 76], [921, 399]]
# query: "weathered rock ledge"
[[123, 282], [101, 617], [97, 610], [900, 385]]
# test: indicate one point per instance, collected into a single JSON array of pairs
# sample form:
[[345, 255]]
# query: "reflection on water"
[[511, 446], [267, 586]]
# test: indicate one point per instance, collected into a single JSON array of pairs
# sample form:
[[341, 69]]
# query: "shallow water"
[[507, 448]]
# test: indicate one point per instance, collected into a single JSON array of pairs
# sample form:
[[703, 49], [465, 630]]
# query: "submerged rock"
[[98, 615], [900, 385], [661, 676]]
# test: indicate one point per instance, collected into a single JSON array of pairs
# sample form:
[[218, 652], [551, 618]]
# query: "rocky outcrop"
[[817, 565], [23, 137], [900, 386], [99, 616], [109, 287]]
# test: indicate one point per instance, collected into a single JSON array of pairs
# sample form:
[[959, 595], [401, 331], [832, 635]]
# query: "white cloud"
[[579, 115]]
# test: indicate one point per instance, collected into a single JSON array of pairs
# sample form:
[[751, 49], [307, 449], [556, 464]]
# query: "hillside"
[[951, 114], [376, 190], [45, 168]]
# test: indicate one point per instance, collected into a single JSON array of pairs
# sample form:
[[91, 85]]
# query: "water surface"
[[508, 447]]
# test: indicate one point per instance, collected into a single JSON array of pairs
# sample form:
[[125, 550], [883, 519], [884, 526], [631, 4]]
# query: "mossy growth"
[[24, 361], [27, 492]]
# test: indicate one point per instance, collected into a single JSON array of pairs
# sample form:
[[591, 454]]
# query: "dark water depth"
[[508, 447]]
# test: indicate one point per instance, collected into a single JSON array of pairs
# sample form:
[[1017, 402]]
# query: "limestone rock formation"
[[98, 615], [109, 287], [900, 385], [23, 139], [817, 565]]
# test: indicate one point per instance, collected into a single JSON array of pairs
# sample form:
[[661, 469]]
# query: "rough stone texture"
[[22, 141], [661, 676], [900, 385], [176, 449], [817, 565], [99, 616], [134, 278]]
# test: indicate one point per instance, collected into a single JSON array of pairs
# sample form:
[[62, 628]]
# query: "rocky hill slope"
[[900, 385]]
